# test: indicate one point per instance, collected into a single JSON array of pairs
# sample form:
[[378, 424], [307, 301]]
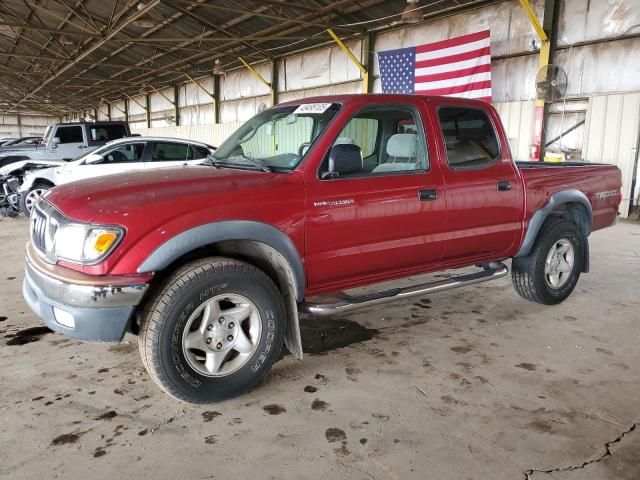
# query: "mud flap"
[[585, 256], [292, 338]]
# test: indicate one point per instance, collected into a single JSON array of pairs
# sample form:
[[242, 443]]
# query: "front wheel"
[[551, 271], [28, 199], [213, 330]]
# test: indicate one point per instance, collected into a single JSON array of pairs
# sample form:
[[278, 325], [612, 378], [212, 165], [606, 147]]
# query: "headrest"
[[403, 145], [344, 141]]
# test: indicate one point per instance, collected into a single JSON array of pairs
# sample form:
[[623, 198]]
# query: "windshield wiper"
[[253, 161]]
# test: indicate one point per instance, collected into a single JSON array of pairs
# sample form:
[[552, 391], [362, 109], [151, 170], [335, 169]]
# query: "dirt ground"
[[470, 384]]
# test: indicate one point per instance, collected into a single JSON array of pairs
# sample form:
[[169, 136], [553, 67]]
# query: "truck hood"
[[163, 192], [27, 164]]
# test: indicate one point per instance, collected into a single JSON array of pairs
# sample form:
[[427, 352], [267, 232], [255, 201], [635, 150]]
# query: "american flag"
[[458, 67]]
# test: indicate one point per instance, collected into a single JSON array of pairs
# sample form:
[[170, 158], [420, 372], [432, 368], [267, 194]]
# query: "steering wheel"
[[302, 147]]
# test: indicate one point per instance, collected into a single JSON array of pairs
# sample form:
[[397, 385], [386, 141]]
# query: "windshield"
[[277, 138]]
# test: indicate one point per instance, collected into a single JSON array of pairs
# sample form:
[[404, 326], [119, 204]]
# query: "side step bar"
[[345, 303]]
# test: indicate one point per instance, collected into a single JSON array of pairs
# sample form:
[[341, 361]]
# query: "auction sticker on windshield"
[[312, 108]]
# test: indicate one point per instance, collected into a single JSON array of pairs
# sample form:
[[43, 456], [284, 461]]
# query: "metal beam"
[[199, 85], [160, 93], [135, 101], [28, 26], [115, 106], [94, 47], [97, 109], [363, 70], [533, 18], [255, 73]]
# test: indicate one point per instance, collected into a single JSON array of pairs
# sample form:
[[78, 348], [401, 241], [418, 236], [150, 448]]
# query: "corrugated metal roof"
[[59, 56]]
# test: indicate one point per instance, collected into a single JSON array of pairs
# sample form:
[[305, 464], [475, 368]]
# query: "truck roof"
[[101, 122], [375, 97]]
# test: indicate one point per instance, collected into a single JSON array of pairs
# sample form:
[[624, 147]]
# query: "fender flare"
[[538, 218], [210, 233]]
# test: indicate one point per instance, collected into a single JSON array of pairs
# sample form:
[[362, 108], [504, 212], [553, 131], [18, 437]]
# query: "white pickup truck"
[[118, 156]]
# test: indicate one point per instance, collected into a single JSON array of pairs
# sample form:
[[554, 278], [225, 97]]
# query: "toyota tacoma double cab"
[[212, 266]]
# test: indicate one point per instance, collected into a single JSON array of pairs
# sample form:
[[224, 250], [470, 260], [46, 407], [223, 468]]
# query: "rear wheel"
[[213, 330], [551, 271], [28, 199]]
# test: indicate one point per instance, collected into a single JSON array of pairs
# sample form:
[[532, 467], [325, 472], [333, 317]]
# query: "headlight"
[[85, 243]]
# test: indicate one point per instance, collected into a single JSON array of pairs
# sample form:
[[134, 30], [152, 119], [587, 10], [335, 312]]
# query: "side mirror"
[[55, 141], [344, 159], [92, 158]]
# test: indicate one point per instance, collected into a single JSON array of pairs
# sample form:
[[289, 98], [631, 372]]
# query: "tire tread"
[[168, 292]]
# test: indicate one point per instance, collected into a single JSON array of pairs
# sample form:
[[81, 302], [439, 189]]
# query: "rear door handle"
[[428, 195], [504, 185]]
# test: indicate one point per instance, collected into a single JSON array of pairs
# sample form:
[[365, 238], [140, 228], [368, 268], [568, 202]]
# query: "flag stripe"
[[447, 52], [472, 37], [454, 82], [483, 93], [473, 54], [456, 89], [451, 67], [454, 73]]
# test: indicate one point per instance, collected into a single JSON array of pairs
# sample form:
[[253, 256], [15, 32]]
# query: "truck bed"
[[600, 183]]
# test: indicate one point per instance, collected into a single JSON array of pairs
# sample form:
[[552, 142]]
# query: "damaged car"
[[29, 182]]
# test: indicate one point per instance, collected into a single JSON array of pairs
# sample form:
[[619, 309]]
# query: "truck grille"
[[45, 221], [38, 228]]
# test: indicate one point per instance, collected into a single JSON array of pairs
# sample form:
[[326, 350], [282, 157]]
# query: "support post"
[[126, 110], [546, 35], [109, 111], [147, 101], [368, 48], [216, 99], [363, 70], [274, 82], [176, 104], [95, 114]]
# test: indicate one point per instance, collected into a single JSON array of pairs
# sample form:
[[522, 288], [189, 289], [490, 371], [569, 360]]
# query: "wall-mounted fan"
[[551, 83]]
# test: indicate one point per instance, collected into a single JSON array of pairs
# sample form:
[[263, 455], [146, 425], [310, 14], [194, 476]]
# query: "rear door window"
[[69, 134], [104, 133], [170, 151], [469, 137]]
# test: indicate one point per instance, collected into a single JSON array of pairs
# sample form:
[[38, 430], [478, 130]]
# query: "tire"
[[550, 283], [26, 199], [246, 325]]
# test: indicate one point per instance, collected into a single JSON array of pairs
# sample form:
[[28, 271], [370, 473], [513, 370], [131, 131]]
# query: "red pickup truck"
[[211, 265]]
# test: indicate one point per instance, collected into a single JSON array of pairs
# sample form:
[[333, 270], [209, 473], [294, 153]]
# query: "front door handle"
[[428, 195], [504, 185]]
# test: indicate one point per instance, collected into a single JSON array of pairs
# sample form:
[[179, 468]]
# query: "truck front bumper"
[[80, 306]]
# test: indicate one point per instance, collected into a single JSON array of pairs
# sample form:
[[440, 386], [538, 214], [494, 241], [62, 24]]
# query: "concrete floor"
[[471, 384]]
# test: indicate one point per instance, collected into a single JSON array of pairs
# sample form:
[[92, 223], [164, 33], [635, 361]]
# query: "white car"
[[118, 156]]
